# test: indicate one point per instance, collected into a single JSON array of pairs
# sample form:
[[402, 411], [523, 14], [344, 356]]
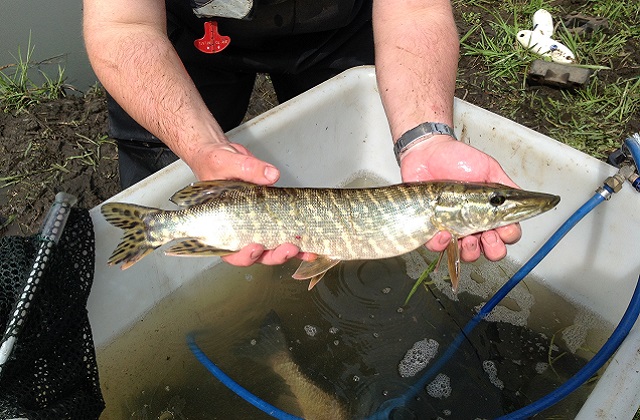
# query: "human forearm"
[[139, 67], [416, 61], [144, 75]]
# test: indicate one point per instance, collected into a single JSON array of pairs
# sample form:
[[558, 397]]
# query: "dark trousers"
[[225, 82]]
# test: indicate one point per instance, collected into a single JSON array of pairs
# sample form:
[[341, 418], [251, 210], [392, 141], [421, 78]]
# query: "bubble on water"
[[415, 264], [418, 357], [502, 314], [311, 330], [491, 370], [400, 310], [446, 412], [356, 378], [254, 342], [575, 335], [336, 342], [333, 330], [386, 290], [541, 367], [248, 277], [440, 387], [482, 280]]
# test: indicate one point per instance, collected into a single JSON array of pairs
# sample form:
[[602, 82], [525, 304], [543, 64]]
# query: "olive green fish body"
[[342, 224], [220, 217]]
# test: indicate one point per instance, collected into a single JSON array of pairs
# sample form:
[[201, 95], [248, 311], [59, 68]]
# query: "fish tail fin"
[[136, 242]]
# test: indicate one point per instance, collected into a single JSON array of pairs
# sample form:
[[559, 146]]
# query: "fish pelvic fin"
[[314, 270], [453, 262], [135, 243], [206, 191]]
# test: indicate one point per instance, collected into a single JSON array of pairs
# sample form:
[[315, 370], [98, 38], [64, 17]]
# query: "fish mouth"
[[531, 204]]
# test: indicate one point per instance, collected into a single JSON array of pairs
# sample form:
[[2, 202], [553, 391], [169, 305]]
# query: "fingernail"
[[470, 245], [271, 173], [490, 238], [255, 254]]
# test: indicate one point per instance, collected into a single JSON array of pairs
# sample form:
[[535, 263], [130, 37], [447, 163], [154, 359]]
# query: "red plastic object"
[[212, 42]]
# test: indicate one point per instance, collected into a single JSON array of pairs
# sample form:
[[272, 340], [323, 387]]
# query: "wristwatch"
[[419, 134]]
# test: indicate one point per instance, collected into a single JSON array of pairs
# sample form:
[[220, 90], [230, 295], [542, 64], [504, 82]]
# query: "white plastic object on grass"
[[545, 46], [543, 23]]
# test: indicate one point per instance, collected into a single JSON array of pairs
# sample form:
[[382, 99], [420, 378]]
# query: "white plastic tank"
[[337, 130]]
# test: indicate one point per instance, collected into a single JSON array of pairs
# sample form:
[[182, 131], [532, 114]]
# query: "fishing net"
[[50, 371]]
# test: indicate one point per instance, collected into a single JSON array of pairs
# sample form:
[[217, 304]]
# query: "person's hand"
[[234, 161], [231, 161], [443, 158]]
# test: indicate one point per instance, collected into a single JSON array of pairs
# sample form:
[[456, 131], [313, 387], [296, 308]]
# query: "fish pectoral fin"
[[205, 191], [453, 262], [195, 248], [315, 269]]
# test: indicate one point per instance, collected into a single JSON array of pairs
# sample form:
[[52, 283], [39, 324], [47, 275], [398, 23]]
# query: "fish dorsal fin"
[[315, 269], [195, 248], [205, 191]]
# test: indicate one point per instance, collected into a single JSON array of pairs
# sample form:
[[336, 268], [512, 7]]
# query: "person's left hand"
[[234, 161], [443, 158]]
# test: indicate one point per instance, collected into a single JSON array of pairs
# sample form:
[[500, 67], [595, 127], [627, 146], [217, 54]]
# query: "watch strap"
[[418, 134]]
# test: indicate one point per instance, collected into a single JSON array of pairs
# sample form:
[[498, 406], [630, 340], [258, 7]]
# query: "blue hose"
[[633, 144], [234, 386], [607, 350]]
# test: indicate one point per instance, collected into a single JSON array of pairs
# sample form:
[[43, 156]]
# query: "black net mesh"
[[52, 371]]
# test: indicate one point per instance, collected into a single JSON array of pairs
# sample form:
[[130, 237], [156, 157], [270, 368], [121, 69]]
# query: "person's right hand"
[[234, 161], [231, 161], [443, 158]]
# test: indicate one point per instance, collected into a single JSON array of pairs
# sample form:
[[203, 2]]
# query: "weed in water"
[[421, 280]]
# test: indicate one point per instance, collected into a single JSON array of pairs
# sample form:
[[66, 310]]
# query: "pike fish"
[[220, 217]]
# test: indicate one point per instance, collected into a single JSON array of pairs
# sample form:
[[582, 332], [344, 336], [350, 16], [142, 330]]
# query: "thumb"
[[250, 169], [233, 161]]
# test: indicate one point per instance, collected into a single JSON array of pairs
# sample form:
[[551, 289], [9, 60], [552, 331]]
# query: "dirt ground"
[[62, 145], [49, 148]]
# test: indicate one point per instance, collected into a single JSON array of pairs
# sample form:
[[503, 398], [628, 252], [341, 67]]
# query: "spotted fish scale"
[[220, 217]]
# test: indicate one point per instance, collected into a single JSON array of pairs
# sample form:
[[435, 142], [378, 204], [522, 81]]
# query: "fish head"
[[464, 208]]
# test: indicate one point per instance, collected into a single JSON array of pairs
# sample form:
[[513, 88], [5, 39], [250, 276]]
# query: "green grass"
[[17, 88], [593, 119]]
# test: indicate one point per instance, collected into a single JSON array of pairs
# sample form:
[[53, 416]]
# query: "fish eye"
[[497, 199]]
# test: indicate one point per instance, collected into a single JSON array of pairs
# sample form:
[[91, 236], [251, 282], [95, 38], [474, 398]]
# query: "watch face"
[[234, 9]]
